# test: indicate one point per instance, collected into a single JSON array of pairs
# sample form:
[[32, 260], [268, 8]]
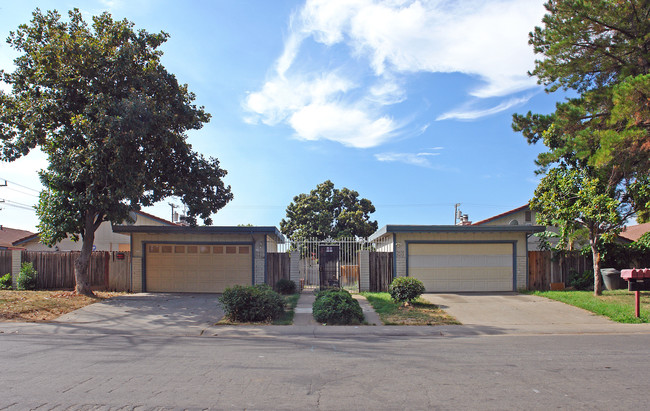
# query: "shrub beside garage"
[[253, 303]]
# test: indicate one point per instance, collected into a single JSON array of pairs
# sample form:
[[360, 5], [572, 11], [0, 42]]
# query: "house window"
[[180, 249], [231, 249], [244, 250], [528, 216], [204, 249], [154, 248], [217, 249], [192, 249], [166, 248]]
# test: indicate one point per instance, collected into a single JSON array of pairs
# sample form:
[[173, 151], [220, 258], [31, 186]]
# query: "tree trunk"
[[82, 284], [598, 281]]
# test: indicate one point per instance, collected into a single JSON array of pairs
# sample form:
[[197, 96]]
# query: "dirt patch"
[[42, 306], [419, 314]]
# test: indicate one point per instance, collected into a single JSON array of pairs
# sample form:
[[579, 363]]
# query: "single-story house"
[[517, 217], [9, 235], [452, 258], [198, 259], [105, 238]]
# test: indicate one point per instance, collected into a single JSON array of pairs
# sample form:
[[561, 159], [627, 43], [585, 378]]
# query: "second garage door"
[[462, 267], [197, 268]]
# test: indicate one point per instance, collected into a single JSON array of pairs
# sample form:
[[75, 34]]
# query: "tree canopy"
[[598, 141], [327, 212], [97, 100]]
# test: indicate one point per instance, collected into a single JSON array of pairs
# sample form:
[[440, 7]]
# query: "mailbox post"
[[637, 280]]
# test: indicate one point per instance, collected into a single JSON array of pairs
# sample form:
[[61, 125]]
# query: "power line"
[[17, 203], [20, 185], [19, 206], [22, 192]]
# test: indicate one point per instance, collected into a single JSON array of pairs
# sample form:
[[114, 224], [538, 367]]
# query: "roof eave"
[[176, 229], [455, 229]]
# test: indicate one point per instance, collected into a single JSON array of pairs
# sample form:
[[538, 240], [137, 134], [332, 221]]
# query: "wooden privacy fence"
[[546, 267], [106, 270], [277, 267], [5, 262], [381, 271]]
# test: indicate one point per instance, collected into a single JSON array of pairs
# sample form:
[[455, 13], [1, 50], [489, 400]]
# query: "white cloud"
[[422, 159], [281, 97], [348, 126], [391, 40], [472, 114], [483, 38]]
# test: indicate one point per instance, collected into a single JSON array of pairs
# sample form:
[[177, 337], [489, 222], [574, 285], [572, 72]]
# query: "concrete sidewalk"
[[303, 313]]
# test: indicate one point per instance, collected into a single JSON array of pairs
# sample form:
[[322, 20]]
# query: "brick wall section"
[[294, 268], [364, 270], [260, 260], [16, 260]]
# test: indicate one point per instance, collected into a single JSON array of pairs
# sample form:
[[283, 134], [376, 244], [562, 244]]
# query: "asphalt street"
[[108, 371]]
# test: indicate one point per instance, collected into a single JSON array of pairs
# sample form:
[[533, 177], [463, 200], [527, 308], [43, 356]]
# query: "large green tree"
[[327, 212], [112, 121], [600, 137]]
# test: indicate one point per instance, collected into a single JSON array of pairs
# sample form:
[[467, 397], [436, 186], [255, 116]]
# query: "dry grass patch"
[[421, 312], [42, 306]]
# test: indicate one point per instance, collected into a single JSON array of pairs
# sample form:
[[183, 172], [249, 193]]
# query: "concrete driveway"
[[521, 313], [160, 313]]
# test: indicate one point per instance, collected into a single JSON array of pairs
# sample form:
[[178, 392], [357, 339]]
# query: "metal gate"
[[330, 268]]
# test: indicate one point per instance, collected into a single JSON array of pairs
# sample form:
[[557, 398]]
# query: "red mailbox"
[[638, 279], [635, 274]]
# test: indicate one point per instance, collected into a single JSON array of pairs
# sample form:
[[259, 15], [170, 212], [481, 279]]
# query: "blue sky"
[[408, 102]]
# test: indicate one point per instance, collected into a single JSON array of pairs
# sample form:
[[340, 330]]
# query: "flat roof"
[[455, 229], [177, 229]]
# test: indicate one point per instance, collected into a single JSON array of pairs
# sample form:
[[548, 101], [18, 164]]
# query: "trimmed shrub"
[[5, 282], [405, 289], [584, 281], [257, 303], [335, 306], [26, 277], [284, 286]]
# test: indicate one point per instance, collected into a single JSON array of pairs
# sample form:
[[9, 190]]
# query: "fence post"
[[364, 270], [294, 268], [16, 261]]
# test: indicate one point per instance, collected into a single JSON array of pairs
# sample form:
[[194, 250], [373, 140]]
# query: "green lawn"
[[617, 305], [420, 313]]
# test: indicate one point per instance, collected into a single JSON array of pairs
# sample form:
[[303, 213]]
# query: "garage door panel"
[[461, 249], [465, 260], [197, 268], [462, 267]]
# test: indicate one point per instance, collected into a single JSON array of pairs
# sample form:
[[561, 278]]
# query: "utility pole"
[[173, 206]]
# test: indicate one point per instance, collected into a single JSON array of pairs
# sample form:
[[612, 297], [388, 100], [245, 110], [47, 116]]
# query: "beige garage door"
[[462, 267], [195, 268]]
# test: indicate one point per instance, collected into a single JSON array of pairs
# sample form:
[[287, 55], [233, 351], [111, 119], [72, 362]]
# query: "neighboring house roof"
[[453, 229], [634, 232], [153, 217], [9, 235], [177, 229], [496, 217], [31, 236]]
